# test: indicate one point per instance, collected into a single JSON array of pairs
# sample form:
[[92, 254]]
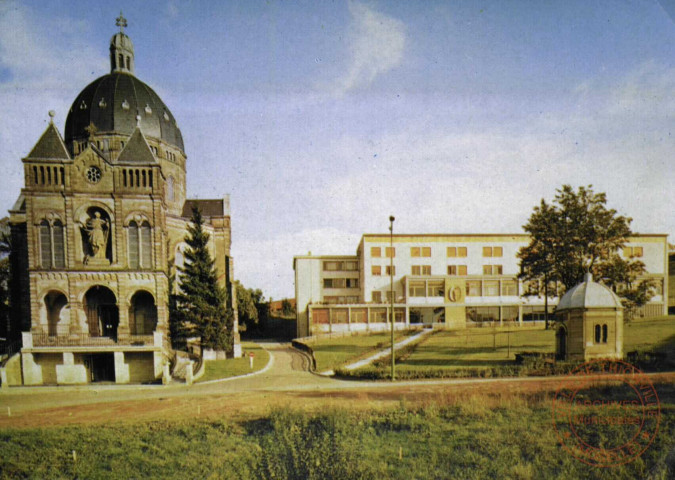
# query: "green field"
[[232, 367], [501, 435], [331, 353], [491, 351]]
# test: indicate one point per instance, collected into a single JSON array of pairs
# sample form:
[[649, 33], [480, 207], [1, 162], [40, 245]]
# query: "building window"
[[351, 266], [509, 288], [420, 251], [604, 333], [491, 288], [630, 252], [375, 252], [456, 252], [391, 270], [435, 289], [597, 334], [482, 314], [352, 282], [52, 251], [456, 269], [421, 270], [473, 288], [332, 266], [376, 270], [390, 252], [492, 251], [391, 296], [416, 289], [492, 269], [140, 245], [377, 297]]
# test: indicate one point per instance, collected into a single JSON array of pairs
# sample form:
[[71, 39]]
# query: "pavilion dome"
[[589, 294]]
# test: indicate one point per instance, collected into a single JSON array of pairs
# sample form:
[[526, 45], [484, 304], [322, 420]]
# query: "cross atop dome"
[[121, 49], [121, 22]]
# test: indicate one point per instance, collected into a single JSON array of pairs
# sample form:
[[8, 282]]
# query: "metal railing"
[[85, 340]]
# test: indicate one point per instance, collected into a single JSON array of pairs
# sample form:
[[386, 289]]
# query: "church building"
[[98, 230]]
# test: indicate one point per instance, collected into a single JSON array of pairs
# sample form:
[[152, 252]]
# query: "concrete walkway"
[[382, 353]]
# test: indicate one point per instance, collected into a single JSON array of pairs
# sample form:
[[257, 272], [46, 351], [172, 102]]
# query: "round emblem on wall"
[[454, 294], [93, 174]]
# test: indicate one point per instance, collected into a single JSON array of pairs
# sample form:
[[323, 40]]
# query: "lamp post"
[[391, 290]]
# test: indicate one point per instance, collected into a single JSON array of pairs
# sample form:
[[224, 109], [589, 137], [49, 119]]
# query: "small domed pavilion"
[[590, 323]]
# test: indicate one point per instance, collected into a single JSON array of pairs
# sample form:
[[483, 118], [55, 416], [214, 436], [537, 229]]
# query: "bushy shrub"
[[301, 446]]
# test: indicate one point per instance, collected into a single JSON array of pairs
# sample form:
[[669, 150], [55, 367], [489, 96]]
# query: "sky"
[[321, 119]]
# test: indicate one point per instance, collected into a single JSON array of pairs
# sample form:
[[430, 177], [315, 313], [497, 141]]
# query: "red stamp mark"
[[607, 413]]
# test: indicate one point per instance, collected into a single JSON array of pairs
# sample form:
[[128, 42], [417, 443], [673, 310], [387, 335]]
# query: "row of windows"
[[426, 289], [52, 245], [491, 288], [336, 266], [48, 175], [452, 270], [334, 300], [340, 283], [452, 252], [135, 177]]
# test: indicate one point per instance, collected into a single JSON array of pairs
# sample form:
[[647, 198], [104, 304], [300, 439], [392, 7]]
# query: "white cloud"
[[377, 42]]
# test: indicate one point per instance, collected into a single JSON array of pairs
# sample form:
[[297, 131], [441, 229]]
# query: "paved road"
[[287, 379]]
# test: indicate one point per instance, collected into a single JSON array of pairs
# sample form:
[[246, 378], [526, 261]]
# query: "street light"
[[391, 290]]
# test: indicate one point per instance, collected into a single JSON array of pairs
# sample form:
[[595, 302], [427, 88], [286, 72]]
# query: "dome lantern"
[[121, 49]]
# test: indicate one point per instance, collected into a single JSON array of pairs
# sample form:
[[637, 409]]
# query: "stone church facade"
[[97, 231]]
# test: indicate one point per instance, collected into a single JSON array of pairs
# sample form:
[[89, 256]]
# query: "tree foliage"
[[200, 308], [575, 234], [252, 308]]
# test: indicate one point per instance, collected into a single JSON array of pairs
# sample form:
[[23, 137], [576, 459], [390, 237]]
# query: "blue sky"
[[322, 118]]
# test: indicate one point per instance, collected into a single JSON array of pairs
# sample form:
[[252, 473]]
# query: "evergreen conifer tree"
[[201, 304]]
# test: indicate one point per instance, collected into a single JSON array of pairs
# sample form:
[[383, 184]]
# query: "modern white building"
[[448, 280]]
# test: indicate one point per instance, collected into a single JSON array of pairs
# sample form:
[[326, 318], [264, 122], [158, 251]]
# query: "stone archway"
[[55, 302], [142, 314], [102, 312]]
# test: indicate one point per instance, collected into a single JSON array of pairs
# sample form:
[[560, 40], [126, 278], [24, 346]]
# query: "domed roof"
[[112, 102], [589, 294]]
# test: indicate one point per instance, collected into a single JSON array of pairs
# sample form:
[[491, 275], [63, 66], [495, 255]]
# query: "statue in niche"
[[97, 230]]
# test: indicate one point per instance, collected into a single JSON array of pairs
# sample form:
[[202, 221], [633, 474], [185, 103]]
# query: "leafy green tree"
[[286, 307], [575, 234], [201, 307], [248, 313]]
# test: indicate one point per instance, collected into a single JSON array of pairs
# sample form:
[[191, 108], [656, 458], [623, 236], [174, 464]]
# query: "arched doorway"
[[54, 304], [102, 313], [142, 314], [561, 343]]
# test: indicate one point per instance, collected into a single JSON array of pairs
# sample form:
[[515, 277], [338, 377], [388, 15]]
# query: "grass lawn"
[[232, 367], [484, 436], [489, 352], [331, 353]]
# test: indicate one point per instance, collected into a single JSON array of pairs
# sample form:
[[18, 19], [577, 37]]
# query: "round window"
[[93, 174]]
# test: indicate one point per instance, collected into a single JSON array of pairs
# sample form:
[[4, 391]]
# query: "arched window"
[[52, 251], [604, 333], [134, 259], [597, 334], [140, 245]]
